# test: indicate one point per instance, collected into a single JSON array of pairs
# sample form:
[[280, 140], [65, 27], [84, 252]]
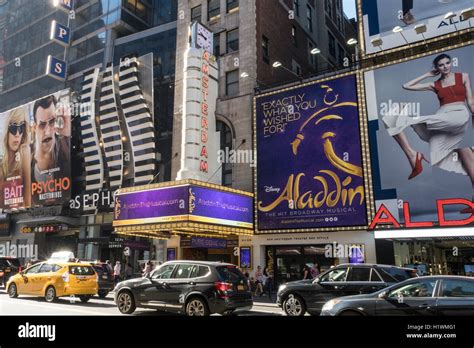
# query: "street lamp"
[[449, 16], [420, 29], [354, 42], [467, 14], [377, 42], [316, 51], [277, 64], [399, 29]]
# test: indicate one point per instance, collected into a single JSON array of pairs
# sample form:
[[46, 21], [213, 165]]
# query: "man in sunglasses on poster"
[[50, 165]]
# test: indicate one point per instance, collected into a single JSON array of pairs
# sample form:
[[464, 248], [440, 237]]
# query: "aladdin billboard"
[[309, 163], [395, 23], [421, 138], [35, 165]]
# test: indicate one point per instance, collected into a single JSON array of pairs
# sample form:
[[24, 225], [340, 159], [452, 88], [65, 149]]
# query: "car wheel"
[[294, 306], [50, 295], [126, 303], [350, 314], [103, 293], [197, 307], [85, 299], [12, 290]]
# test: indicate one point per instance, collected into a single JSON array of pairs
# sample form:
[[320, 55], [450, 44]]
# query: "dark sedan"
[[432, 295], [297, 298], [196, 288]]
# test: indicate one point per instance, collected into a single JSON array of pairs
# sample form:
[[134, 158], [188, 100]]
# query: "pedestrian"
[[109, 266], [117, 270], [315, 270], [268, 281], [259, 281], [147, 269], [128, 271], [307, 272]]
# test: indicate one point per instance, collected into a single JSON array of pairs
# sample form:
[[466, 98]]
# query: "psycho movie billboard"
[[309, 165], [420, 129], [35, 153], [395, 23]]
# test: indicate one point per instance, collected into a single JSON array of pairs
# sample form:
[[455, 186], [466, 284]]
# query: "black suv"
[[303, 296], [196, 288], [105, 277], [9, 266]]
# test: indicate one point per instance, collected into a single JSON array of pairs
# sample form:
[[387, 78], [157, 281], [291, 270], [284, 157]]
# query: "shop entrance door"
[[289, 268]]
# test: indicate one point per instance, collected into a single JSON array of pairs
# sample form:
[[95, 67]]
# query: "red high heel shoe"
[[418, 165]]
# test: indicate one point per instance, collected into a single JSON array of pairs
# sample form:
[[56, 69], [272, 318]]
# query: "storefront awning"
[[186, 207], [50, 220]]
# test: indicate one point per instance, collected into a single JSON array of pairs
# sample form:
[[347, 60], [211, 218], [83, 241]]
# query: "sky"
[[350, 8]]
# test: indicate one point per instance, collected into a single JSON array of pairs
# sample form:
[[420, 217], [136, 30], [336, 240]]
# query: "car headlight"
[[281, 288], [330, 304]]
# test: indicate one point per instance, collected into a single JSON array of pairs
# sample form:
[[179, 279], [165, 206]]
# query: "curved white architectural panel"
[[94, 166], [138, 120], [110, 130]]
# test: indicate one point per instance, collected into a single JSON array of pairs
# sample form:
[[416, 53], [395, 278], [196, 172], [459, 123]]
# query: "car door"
[[180, 283], [414, 297], [456, 297], [40, 278], [358, 280], [329, 285], [153, 292], [26, 284]]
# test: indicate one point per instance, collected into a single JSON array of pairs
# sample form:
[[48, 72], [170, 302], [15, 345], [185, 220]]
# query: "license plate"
[[240, 287], [104, 277]]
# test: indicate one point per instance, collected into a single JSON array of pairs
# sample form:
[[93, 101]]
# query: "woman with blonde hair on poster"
[[445, 130], [16, 162]]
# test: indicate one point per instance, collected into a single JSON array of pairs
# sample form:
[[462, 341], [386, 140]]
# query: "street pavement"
[[31, 306]]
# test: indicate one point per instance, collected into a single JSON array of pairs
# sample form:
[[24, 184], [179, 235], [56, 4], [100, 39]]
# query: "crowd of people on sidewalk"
[[127, 272]]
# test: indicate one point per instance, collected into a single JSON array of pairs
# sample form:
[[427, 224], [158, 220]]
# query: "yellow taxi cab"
[[53, 279]]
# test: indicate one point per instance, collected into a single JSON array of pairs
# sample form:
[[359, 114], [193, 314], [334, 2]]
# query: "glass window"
[[199, 271], [233, 40], [230, 274], [33, 269], [458, 288], [265, 49], [393, 274], [183, 271], [46, 268], [293, 35], [336, 275], [225, 143], [81, 270], [232, 4], [309, 18], [332, 44], [416, 289], [232, 83], [374, 276], [359, 274], [196, 14], [164, 272], [213, 9], [296, 7], [217, 45]]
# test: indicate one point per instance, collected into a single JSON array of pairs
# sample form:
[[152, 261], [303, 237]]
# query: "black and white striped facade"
[[94, 165], [138, 121], [110, 129]]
